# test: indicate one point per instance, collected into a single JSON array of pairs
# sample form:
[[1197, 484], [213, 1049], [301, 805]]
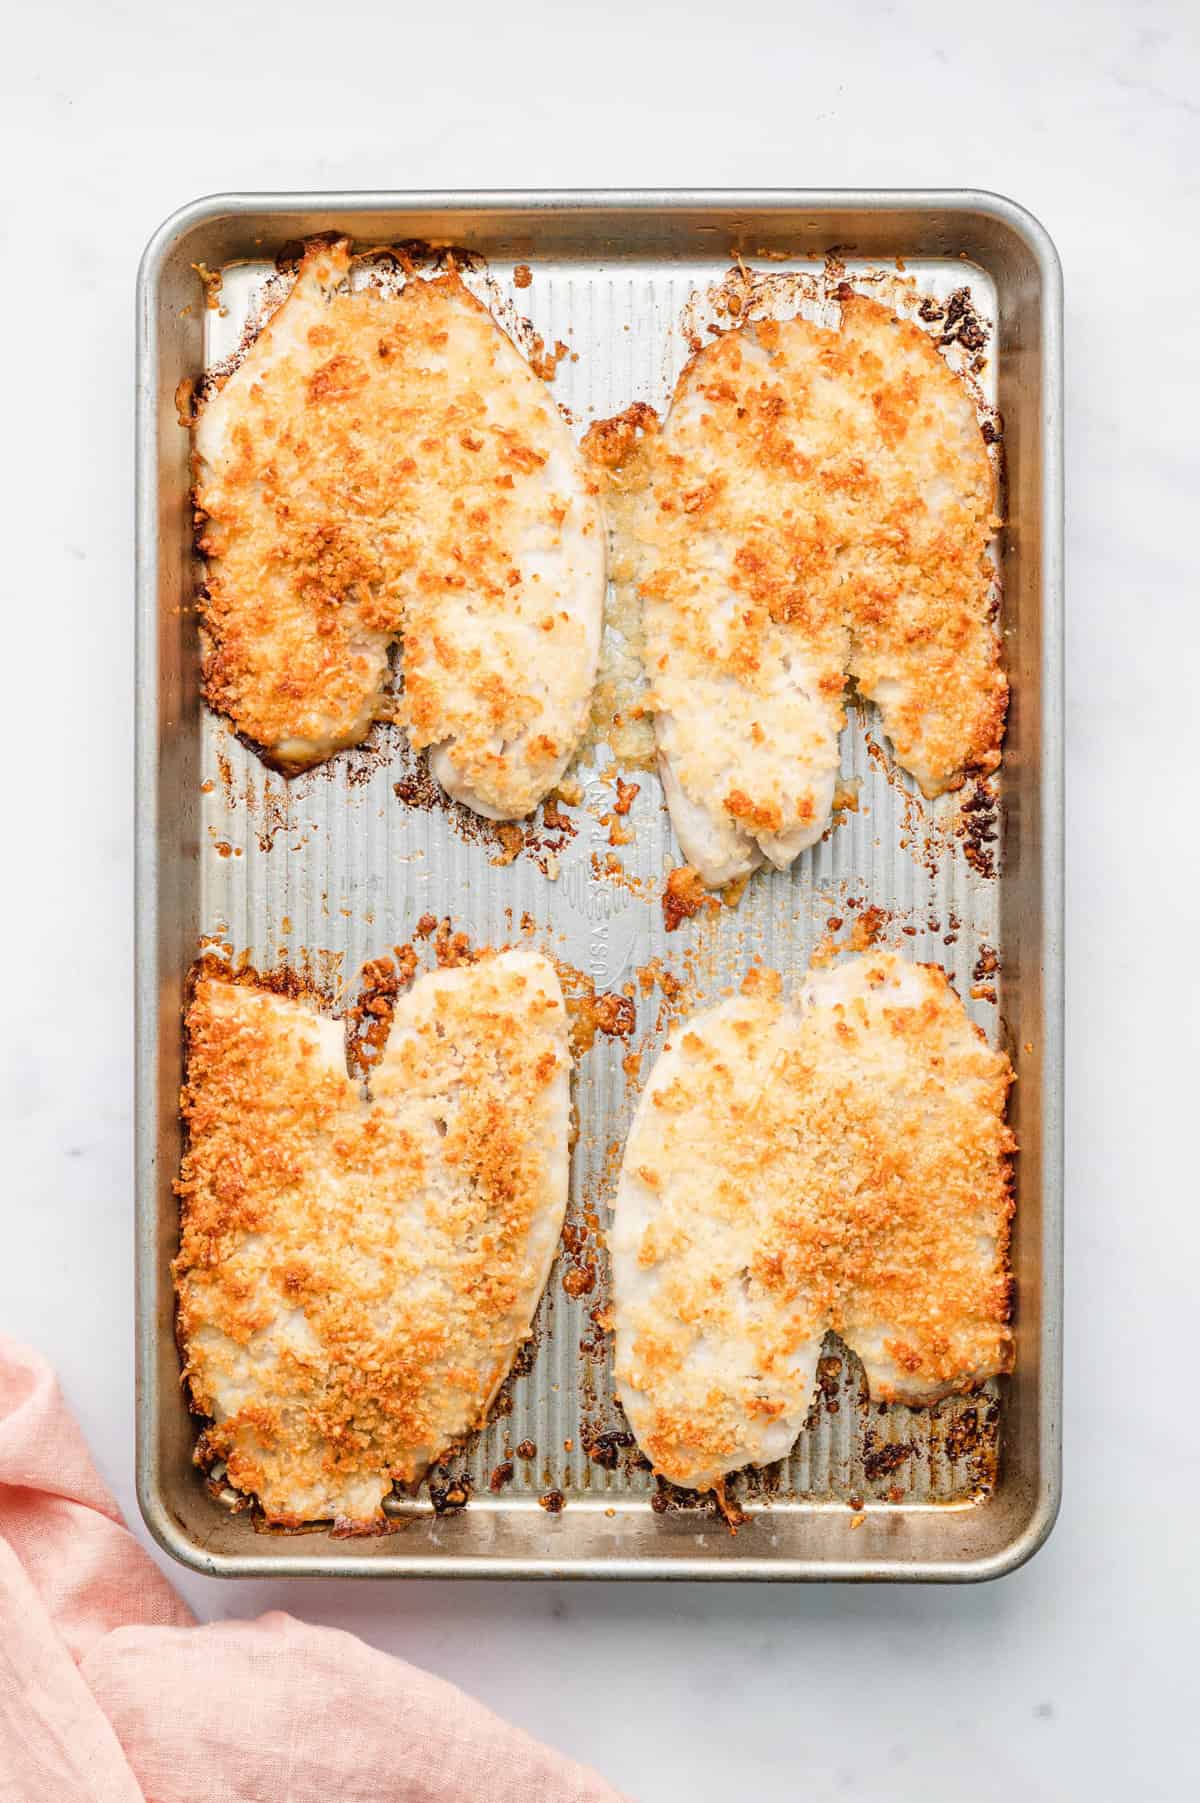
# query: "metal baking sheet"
[[336, 867]]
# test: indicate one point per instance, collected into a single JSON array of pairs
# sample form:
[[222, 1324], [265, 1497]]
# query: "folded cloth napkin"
[[110, 1692]]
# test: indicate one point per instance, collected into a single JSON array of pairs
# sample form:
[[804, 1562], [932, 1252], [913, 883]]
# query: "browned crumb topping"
[[355, 1277], [818, 505], [844, 1166], [374, 470]]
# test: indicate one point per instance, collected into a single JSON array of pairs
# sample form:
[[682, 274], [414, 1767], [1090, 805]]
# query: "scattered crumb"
[[868, 928], [684, 896], [370, 1020], [979, 829], [512, 843], [545, 363], [615, 1015], [607, 867], [986, 965], [626, 793], [588, 1013]]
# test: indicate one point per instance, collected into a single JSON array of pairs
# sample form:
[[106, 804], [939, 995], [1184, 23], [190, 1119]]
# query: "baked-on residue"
[[354, 1277], [843, 1163], [819, 505], [381, 466]]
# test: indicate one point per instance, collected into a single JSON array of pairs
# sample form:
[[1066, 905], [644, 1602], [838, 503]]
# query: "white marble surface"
[[1076, 1677]]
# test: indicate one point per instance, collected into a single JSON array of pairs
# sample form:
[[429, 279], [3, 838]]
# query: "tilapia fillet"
[[354, 1277], [842, 1162], [819, 506], [383, 467]]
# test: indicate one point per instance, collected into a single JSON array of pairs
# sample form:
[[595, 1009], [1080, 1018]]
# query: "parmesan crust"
[[840, 1163], [354, 1277], [388, 466], [819, 506]]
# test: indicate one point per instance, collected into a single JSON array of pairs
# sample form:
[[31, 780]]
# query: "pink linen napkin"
[[110, 1692]]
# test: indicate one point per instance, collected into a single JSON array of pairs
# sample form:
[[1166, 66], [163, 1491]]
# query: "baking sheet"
[[334, 868]]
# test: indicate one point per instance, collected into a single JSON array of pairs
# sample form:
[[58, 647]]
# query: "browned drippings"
[[605, 1449], [451, 1496], [980, 829], [881, 1458]]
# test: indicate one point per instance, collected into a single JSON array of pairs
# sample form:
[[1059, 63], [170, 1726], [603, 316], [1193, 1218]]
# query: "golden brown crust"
[[384, 465], [820, 503], [354, 1277], [855, 1175]]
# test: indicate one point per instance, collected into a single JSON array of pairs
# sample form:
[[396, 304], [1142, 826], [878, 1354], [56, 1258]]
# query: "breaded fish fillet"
[[389, 466], [841, 1163], [355, 1277], [820, 505]]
